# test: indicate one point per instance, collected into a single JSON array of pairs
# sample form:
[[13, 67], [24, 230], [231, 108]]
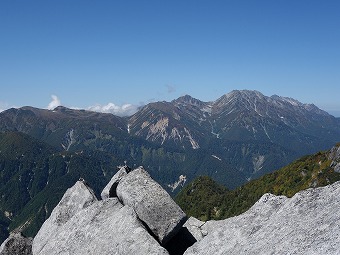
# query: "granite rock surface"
[[152, 204], [307, 223]]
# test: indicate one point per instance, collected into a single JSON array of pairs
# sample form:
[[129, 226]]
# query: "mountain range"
[[236, 138]]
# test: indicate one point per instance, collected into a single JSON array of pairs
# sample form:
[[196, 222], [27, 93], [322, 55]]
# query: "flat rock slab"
[[307, 223], [16, 243], [152, 204]]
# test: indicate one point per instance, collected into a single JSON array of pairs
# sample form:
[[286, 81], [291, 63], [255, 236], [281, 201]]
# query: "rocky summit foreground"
[[307, 223], [136, 216]]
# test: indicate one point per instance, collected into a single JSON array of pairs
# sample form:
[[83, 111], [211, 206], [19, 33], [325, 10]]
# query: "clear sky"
[[111, 53]]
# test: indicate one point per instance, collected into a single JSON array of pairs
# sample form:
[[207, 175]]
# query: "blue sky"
[[92, 53]]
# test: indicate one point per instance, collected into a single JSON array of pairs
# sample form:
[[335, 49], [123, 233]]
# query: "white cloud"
[[124, 110], [4, 106], [54, 103]]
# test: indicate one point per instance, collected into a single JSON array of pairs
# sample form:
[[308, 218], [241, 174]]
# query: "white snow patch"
[[255, 108], [265, 130], [214, 156], [213, 132], [194, 144], [207, 109], [70, 139]]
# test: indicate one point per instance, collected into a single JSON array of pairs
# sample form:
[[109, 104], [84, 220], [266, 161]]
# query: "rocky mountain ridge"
[[210, 118], [81, 224], [244, 129], [239, 127]]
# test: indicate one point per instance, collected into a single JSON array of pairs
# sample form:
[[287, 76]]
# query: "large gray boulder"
[[307, 223], [334, 156], [152, 204], [110, 188], [16, 243], [74, 200], [105, 227]]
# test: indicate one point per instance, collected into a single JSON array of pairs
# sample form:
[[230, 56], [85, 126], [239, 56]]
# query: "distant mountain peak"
[[246, 92], [188, 100], [60, 108]]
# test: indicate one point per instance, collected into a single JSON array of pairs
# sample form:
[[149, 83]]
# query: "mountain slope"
[[244, 122], [34, 174], [64, 128], [253, 133], [198, 200], [163, 122], [78, 130]]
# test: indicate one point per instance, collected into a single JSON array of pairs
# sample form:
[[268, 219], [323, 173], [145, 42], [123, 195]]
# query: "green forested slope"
[[205, 199]]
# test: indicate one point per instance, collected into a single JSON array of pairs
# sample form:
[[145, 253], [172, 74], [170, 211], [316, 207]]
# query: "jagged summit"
[[135, 221], [136, 216], [188, 100]]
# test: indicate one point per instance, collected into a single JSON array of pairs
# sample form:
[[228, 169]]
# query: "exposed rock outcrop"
[[307, 223], [110, 188], [16, 243], [74, 200], [142, 219], [138, 221], [152, 204], [105, 227], [334, 156]]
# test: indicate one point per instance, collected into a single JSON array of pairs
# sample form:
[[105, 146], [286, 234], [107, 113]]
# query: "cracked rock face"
[[80, 224], [110, 188], [144, 220], [307, 223], [105, 227], [152, 204], [16, 243]]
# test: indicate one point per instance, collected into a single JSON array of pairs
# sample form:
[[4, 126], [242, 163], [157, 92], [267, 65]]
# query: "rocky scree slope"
[[307, 223]]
